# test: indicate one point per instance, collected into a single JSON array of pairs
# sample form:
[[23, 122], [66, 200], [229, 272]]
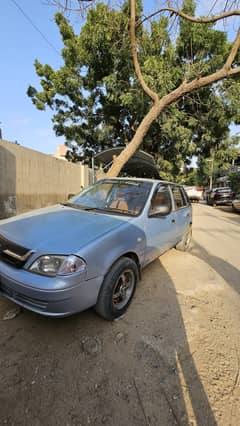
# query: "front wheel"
[[185, 242], [117, 289]]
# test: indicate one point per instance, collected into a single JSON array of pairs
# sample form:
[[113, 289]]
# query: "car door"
[[183, 210], [160, 229]]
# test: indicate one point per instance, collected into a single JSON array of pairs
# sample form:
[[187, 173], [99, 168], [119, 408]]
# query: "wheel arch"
[[130, 255]]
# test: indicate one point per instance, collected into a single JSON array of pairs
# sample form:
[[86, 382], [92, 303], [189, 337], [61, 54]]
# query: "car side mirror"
[[70, 196], [159, 211]]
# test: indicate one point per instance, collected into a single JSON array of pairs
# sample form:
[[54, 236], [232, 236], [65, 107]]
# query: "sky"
[[20, 44]]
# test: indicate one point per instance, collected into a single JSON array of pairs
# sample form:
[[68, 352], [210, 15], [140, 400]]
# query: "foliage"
[[219, 162], [191, 178], [98, 103], [234, 178]]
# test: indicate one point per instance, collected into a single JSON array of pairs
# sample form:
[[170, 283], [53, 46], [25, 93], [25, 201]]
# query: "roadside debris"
[[120, 337], [13, 313], [91, 345]]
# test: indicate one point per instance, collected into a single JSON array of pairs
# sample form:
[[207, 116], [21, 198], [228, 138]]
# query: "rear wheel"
[[117, 289], [185, 242], [234, 209]]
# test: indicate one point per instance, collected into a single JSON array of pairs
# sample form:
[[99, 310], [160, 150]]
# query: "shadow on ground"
[[83, 370], [228, 272]]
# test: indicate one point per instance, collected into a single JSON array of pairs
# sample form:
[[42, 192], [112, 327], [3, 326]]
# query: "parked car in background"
[[90, 250], [206, 193], [220, 196], [236, 203], [194, 193]]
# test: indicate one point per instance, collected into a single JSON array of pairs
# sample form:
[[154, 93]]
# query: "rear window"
[[162, 197], [179, 197]]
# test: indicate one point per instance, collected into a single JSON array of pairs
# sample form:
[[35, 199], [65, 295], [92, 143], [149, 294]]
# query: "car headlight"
[[52, 265]]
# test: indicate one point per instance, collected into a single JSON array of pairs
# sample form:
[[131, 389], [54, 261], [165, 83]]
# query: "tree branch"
[[181, 14], [233, 52], [65, 5], [141, 80]]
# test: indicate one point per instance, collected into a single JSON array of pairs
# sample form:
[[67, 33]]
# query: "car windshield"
[[114, 196]]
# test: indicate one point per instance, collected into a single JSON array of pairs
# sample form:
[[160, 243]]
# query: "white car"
[[194, 193]]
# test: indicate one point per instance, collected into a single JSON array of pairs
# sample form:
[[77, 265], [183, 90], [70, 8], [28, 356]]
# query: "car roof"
[[142, 180]]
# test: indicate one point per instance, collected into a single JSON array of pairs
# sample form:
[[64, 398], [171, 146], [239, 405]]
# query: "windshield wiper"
[[79, 207], [115, 210], [100, 209], [72, 205], [68, 205], [88, 209]]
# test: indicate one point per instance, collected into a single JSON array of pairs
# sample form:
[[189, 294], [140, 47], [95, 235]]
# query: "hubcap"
[[123, 289]]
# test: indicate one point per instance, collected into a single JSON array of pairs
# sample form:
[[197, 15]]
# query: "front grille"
[[26, 300], [13, 253]]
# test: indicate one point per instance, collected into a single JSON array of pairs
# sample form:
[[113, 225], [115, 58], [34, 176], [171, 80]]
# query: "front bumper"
[[59, 300], [222, 201]]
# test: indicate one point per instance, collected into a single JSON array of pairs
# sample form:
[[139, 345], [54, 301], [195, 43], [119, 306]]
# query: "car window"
[[109, 195], [161, 197], [179, 199], [185, 196]]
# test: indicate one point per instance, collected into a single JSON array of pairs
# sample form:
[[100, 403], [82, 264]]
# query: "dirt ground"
[[174, 359]]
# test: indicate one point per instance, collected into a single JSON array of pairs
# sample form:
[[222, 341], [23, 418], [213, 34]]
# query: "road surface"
[[173, 359]]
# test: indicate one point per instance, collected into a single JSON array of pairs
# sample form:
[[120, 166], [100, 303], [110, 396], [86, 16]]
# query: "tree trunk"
[[142, 130]]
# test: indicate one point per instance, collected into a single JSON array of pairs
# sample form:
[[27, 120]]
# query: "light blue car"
[[90, 251]]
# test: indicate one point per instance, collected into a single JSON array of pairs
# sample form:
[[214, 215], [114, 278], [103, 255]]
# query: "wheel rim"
[[123, 289]]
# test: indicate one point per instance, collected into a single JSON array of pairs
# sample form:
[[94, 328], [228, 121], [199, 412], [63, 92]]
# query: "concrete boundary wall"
[[30, 179]]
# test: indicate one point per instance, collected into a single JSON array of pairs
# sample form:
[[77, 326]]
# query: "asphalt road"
[[217, 241], [173, 359]]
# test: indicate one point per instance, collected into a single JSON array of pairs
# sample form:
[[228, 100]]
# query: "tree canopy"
[[98, 102]]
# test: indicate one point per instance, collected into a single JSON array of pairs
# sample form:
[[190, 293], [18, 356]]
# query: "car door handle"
[[173, 221]]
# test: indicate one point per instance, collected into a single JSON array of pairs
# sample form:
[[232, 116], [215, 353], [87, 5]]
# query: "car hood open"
[[58, 229]]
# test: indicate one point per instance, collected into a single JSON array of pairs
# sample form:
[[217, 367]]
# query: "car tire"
[[235, 210], [118, 288], [185, 242]]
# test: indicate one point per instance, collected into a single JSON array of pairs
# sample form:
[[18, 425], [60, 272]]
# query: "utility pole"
[[211, 173]]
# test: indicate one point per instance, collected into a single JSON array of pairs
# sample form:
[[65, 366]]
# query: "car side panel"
[[161, 235], [183, 216], [103, 252], [183, 221]]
